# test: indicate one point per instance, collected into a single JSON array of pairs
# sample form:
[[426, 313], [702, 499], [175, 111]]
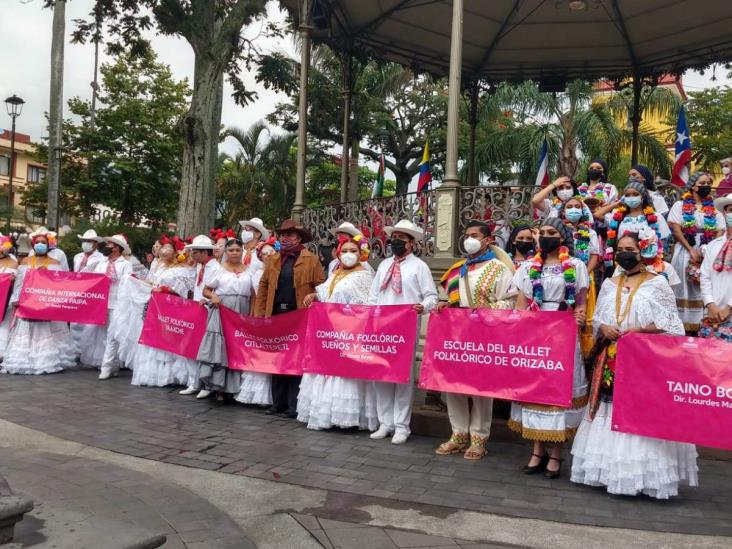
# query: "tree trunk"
[[55, 111], [403, 179], [353, 170], [196, 208]]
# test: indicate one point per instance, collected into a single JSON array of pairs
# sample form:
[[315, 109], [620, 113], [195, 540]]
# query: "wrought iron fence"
[[371, 216]]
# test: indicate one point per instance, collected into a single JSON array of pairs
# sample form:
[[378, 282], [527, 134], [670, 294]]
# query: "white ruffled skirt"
[[5, 330], [126, 324], [38, 347], [332, 401], [92, 343], [156, 368], [630, 464], [256, 388]]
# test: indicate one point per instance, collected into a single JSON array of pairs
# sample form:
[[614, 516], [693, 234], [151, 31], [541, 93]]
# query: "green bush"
[[140, 239]]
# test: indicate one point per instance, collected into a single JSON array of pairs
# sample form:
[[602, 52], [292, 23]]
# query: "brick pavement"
[[159, 424]]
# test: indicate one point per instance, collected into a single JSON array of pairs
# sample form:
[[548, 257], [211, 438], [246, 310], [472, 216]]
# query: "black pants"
[[284, 392]]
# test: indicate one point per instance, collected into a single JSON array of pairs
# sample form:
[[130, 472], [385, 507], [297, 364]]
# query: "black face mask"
[[594, 175], [523, 247], [627, 260], [548, 244], [398, 247], [704, 191], [105, 250]]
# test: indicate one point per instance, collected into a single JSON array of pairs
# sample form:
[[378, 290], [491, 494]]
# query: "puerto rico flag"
[[425, 175], [542, 173], [680, 171]]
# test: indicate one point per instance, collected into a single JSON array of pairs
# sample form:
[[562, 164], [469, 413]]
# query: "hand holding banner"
[[273, 345], [674, 388], [362, 342], [503, 354], [174, 324], [64, 297], [6, 285]]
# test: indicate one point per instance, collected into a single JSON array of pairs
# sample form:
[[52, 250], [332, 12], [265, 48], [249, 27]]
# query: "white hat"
[[407, 227], [257, 224], [722, 202], [346, 227], [121, 241], [201, 242], [91, 234], [42, 231]]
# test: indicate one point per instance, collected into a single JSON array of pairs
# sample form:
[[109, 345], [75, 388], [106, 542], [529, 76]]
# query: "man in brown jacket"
[[288, 277]]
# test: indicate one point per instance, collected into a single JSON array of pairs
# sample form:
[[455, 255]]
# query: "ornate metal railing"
[[371, 216]]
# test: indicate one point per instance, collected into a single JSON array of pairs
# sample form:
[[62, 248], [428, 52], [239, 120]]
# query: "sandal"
[[477, 448], [457, 444], [541, 466]]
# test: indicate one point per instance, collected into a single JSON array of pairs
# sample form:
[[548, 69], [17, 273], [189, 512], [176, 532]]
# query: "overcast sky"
[[25, 29]]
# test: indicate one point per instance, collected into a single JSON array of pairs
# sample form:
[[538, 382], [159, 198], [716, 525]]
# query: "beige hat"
[[722, 202], [90, 235], [121, 241], [42, 231], [256, 224], [347, 228], [407, 227], [201, 242]]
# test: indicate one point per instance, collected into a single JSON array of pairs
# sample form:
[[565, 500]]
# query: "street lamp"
[[14, 106]]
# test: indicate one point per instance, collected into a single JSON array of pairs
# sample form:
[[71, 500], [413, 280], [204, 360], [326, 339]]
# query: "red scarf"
[[394, 275]]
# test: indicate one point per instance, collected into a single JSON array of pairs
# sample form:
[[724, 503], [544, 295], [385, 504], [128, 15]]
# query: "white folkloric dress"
[[126, 326], [688, 293], [154, 367], [631, 464], [87, 346], [537, 421], [332, 401], [5, 324], [37, 346]]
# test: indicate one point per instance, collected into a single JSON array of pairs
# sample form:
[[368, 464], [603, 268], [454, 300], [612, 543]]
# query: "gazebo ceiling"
[[545, 40]]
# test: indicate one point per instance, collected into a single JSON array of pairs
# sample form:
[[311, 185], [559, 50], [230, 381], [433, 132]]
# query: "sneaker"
[[399, 438], [188, 390], [203, 393], [382, 432]]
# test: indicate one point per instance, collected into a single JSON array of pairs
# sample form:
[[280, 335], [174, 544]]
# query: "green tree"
[[323, 182], [130, 158], [709, 117], [213, 28]]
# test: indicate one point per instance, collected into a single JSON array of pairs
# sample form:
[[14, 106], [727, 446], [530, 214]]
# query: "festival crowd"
[[619, 261]]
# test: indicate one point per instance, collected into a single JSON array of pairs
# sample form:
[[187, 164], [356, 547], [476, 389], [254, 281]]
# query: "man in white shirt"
[[116, 267], [86, 262], [716, 279], [401, 279], [201, 249]]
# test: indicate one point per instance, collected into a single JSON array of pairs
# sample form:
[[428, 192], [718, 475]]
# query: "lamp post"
[[14, 106]]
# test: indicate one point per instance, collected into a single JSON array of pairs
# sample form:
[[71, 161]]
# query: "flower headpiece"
[[6, 243], [217, 234], [271, 242], [360, 241], [49, 236]]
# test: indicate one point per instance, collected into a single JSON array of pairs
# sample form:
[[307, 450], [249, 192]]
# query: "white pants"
[[475, 421], [394, 405], [111, 346]]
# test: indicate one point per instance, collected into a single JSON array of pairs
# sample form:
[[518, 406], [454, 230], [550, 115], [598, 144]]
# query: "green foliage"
[[129, 158], [709, 117], [324, 183]]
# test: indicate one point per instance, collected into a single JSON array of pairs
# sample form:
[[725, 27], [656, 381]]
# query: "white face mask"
[[349, 259], [472, 245], [726, 170], [565, 194], [87, 247], [247, 236]]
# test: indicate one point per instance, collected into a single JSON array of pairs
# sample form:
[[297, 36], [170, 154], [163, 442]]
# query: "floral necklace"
[[600, 192], [568, 271], [581, 240], [619, 215], [709, 231]]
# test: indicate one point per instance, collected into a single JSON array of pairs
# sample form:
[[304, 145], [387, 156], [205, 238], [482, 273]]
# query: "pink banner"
[[174, 324], [273, 345], [6, 285], [674, 388], [525, 356], [358, 341], [64, 297]]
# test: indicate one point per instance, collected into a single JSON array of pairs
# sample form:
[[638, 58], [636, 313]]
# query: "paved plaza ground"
[[148, 462]]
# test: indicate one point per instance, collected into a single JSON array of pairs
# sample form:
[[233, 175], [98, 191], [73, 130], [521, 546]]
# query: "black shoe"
[[539, 467], [291, 415], [554, 474], [272, 411]]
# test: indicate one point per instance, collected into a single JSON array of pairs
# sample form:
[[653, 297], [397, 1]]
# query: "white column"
[[453, 95], [306, 31]]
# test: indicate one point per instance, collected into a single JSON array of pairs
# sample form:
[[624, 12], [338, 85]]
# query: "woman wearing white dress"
[[552, 280], [695, 223], [9, 266], [231, 287], [154, 367], [635, 301], [333, 401], [38, 346]]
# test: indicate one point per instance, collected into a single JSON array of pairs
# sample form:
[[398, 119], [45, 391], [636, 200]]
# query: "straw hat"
[[256, 224], [722, 202], [120, 240], [346, 227], [406, 227], [90, 236], [201, 242]]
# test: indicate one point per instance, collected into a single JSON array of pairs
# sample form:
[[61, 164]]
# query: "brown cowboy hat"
[[295, 226]]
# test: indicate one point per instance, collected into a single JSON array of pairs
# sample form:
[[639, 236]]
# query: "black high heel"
[[541, 466], [554, 474]]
